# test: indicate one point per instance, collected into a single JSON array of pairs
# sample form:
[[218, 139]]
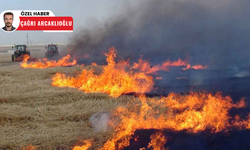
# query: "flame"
[[148, 68], [114, 79], [178, 63], [158, 78], [30, 147], [87, 144], [240, 104], [158, 141], [194, 112], [195, 67], [118, 78], [44, 63]]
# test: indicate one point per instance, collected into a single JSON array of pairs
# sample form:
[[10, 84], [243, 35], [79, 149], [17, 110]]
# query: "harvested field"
[[34, 112]]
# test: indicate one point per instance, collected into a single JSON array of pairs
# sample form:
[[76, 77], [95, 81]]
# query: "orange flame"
[[158, 78], [158, 141], [87, 144], [194, 112], [148, 68], [114, 79], [30, 147], [195, 67], [177, 63], [44, 63]]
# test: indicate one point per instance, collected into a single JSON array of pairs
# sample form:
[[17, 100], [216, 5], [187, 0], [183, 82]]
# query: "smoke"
[[214, 32], [242, 74], [100, 121]]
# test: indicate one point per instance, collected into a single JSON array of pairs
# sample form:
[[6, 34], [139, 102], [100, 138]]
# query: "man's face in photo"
[[8, 20]]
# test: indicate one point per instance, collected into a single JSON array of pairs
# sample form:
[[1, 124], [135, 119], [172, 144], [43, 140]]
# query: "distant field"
[[5, 58], [34, 112]]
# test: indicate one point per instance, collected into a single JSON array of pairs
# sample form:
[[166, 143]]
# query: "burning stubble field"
[[33, 112], [197, 49]]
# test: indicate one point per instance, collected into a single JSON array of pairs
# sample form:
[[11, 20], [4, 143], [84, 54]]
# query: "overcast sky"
[[82, 11]]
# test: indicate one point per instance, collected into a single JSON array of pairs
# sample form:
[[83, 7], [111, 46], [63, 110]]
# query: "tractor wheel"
[[12, 57]]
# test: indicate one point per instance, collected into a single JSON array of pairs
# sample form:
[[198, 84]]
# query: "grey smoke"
[[243, 74], [100, 121], [215, 32]]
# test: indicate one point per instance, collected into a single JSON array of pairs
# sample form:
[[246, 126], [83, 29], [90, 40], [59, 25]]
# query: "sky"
[[82, 11]]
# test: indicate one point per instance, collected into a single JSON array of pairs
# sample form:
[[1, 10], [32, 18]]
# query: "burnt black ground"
[[182, 140], [210, 81]]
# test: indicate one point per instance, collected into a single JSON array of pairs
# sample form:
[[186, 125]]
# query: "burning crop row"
[[117, 78], [114, 79], [44, 63], [142, 65], [193, 113], [146, 67]]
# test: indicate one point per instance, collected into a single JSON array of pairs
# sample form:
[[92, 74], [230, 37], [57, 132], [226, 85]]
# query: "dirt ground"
[[34, 112]]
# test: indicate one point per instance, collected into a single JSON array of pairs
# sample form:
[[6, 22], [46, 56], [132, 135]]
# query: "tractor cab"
[[19, 50], [52, 50]]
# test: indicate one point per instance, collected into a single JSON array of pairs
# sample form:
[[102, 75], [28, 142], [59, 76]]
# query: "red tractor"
[[52, 50]]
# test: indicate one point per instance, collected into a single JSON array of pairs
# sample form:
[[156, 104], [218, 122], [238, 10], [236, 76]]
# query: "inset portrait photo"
[[9, 22]]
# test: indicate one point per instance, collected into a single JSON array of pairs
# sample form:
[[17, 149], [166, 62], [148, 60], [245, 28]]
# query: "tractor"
[[52, 50], [20, 51]]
